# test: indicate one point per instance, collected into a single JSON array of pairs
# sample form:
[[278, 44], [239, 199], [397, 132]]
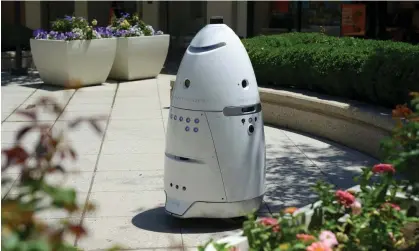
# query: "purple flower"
[[61, 36], [125, 15], [68, 18], [52, 35], [40, 34], [72, 36], [104, 31], [121, 33]]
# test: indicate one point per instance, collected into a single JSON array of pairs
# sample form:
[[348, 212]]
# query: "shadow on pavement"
[[296, 161], [26, 80], [157, 220]]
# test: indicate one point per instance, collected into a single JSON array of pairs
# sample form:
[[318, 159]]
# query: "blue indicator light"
[[188, 120], [180, 118], [187, 128], [196, 121], [175, 117], [195, 129]]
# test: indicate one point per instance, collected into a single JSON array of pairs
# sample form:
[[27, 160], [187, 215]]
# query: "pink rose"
[[345, 198], [383, 168], [318, 246], [356, 207], [328, 238]]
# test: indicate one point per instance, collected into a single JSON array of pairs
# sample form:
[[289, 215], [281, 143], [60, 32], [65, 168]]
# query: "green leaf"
[[10, 241], [38, 245]]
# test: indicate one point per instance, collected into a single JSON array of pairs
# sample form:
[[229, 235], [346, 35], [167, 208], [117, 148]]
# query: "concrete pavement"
[[122, 170]]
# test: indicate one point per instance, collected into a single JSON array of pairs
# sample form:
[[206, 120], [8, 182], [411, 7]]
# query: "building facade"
[[182, 19]]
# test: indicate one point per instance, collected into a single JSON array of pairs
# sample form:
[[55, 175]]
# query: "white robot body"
[[215, 143]]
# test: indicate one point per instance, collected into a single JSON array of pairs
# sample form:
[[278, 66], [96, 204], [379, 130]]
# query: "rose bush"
[[131, 26], [73, 28]]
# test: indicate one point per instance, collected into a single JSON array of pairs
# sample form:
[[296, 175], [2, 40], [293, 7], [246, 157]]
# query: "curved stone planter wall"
[[350, 123]]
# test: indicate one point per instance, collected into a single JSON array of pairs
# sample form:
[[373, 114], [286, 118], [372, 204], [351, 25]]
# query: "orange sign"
[[353, 20], [281, 6]]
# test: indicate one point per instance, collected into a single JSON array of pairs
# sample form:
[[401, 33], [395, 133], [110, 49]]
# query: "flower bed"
[[380, 214], [73, 50], [141, 51]]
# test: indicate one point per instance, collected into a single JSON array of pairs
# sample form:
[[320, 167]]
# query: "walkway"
[[122, 171]]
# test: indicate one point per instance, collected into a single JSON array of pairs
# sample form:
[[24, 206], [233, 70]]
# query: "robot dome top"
[[215, 72]]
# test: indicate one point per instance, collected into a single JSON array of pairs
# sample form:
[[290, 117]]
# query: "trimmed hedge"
[[379, 72]]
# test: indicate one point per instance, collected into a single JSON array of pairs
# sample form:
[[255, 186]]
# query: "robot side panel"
[[191, 167], [240, 144]]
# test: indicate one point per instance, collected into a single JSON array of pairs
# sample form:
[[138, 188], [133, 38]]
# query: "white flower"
[[79, 33], [96, 34], [150, 28]]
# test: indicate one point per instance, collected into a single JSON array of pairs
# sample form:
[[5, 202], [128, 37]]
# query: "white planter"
[[87, 61], [139, 57]]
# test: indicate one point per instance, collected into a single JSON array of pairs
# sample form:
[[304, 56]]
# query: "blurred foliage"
[[402, 148], [32, 194]]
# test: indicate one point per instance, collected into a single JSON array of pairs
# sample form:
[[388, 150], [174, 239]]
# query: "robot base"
[[222, 210]]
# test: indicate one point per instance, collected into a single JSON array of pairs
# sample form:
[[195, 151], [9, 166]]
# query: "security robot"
[[215, 142]]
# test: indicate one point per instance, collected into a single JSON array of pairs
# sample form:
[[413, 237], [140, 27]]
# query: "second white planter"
[[139, 57]]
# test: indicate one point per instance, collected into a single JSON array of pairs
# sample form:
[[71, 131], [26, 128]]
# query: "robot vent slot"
[[194, 49], [184, 159]]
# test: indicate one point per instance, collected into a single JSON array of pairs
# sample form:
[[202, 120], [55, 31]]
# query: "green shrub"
[[380, 72]]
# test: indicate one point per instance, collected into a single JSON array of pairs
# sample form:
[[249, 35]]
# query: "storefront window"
[[283, 15], [316, 15]]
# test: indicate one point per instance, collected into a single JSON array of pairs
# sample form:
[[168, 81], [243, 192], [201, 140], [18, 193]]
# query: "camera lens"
[[251, 129]]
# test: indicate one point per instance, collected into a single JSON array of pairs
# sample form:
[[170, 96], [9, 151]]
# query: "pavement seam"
[[312, 162], [30, 95], [97, 161], [55, 121]]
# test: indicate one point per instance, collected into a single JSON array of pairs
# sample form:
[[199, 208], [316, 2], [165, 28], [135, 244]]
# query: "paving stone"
[[133, 146], [11, 177], [290, 175], [197, 232], [128, 203], [16, 126], [108, 231], [72, 115], [151, 103], [85, 99], [131, 162], [121, 181], [93, 94], [135, 113], [94, 108], [41, 116], [340, 164]]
